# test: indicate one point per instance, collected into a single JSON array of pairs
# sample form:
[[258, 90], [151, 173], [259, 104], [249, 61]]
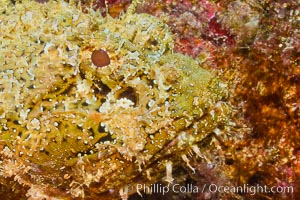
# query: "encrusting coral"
[[71, 129]]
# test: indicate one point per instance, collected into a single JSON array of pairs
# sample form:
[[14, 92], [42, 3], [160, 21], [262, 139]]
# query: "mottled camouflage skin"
[[69, 129]]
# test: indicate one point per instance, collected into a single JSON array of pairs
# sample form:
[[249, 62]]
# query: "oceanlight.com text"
[[210, 188]]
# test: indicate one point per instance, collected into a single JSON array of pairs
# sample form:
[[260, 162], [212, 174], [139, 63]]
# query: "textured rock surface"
[[255, 46]]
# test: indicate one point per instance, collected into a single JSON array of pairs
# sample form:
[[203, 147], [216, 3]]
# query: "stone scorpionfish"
[[90, 104]]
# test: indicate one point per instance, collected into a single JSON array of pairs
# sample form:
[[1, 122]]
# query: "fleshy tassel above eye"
[[100, 58]]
